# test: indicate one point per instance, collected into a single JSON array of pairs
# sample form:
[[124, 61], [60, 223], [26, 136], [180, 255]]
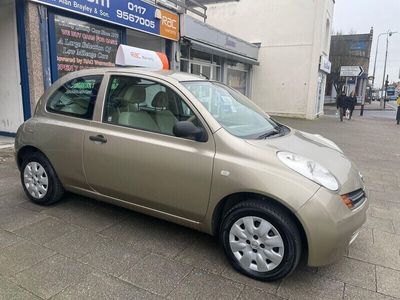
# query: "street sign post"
[[351, 71]]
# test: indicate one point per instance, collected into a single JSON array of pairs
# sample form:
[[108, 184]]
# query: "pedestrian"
[[398, 110], [351, 103], [341, 104]]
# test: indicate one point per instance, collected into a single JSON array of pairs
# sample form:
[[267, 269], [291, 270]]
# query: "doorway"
[[11, 112]]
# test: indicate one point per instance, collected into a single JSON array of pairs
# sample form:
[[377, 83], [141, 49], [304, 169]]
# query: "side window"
[[76, 97], [144, 104]]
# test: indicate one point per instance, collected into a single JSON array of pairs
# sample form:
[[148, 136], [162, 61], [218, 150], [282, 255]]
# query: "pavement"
[[6, 142], [83, 249]]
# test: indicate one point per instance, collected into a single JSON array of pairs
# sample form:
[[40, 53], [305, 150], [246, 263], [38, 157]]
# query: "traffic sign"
[[351, 71]]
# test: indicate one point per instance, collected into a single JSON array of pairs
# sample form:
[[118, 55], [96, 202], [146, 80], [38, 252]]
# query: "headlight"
[[310, 169]]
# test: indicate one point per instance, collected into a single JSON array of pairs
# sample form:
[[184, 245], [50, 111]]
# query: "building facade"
[[349, 50], [294, 41], [217, 55]]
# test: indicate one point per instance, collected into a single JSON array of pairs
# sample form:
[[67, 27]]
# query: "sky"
[[358, 16]]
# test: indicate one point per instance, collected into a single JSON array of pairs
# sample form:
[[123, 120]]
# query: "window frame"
[[173, 88], [49, 110]]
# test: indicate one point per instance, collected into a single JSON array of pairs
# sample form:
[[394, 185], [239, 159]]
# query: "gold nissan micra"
[[197, 153]]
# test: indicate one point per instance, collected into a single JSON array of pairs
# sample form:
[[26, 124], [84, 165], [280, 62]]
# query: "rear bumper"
[[330, 226]]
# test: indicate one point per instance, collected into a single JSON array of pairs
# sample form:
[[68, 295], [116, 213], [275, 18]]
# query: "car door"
[[132, 155], [60, 125]]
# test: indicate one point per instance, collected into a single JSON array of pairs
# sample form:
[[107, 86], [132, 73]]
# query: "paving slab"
[[388, 214], [51, 276], [8, 239], [388, 281], [388, 239], [14, 218], [386, 196], [20, 256], [114, 257], [251, 293], [12, 199], [365, 237], [45, 230], [100, 286], [383, 224], [351, 271], [202, 285], [378, 254], [204, 253], [11, 291], [268, 287], [306, 285], [157, 274], [9, 185], [86, 213], [357, 293], [152, 235], [77, 243]]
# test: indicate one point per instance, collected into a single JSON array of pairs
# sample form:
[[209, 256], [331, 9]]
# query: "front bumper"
[[329, 226]]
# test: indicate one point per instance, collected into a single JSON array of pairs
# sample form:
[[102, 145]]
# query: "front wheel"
[[261, 240], [39, 180]]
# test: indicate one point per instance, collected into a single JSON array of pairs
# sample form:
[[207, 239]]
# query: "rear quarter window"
[[76, 98]]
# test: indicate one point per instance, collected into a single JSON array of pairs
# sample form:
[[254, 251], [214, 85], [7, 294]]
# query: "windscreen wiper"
[[268, 134]]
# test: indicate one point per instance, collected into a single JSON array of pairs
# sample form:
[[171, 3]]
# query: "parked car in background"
[[375, 95], [197, 153]]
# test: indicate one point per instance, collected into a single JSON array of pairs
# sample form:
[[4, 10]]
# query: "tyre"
[[39, 180], [261, 240]]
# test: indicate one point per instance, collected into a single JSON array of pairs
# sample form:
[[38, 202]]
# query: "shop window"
[[76, 98], [237, 79], [196, 69], [78, 44]]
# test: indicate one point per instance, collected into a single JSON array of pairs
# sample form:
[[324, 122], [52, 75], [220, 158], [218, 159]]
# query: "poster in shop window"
[[82, 45]]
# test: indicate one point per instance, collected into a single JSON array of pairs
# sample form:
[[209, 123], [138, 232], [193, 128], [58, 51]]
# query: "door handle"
[[98, 139]]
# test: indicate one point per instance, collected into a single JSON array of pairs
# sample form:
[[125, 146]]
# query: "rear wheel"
[[261, 240], [39, 180]]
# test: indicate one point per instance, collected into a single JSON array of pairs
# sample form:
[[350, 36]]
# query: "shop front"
[[86, 34], [66, 36], [209, 52]]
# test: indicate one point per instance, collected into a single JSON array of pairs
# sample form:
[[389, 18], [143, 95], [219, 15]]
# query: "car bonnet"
[[319, 149]]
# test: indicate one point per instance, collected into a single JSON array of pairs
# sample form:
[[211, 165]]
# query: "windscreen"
[[236, 113]]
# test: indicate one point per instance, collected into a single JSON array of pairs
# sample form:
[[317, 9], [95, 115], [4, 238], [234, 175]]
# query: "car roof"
[[176, 75]]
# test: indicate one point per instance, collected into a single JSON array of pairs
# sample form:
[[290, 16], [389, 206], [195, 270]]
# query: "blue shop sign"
[[358, 45], [133, 14]]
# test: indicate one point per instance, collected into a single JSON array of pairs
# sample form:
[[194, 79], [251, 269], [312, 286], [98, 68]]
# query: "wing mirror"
[[188, 130]]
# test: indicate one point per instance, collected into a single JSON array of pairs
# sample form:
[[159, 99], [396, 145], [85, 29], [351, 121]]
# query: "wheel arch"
[[231, 200], [23, 151]]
